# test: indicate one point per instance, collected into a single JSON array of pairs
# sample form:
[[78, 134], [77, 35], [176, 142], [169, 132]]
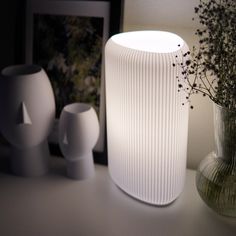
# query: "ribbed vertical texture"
[[146, 123]]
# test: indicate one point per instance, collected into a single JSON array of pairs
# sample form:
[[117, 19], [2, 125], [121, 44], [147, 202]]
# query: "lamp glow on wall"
[[146, 122]]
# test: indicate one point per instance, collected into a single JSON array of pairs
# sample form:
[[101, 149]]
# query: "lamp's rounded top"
[[149, 41]]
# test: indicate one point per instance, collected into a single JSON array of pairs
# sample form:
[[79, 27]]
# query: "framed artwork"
[[67, 39]]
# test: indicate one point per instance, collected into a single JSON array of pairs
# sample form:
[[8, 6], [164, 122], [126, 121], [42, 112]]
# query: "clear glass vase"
[[216, 174]]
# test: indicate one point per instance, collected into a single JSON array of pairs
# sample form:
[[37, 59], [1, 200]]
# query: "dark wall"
[[7, 25], [11, 25]]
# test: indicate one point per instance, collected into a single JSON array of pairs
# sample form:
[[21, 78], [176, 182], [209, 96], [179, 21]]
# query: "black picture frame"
[[111, 13]]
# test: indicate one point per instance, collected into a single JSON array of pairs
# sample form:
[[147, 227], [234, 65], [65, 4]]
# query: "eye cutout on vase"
[[27, 107]]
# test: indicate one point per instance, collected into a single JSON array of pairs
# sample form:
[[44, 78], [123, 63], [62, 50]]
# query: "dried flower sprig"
[[211, 70]]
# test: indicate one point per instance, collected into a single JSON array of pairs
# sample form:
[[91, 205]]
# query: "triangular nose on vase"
[[23, 116]]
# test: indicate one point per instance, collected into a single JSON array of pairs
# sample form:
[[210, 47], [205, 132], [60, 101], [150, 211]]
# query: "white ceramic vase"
[[27, 108], [78, 134]]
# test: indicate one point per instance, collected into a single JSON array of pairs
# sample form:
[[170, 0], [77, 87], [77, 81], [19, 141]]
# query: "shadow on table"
[[4, 160]]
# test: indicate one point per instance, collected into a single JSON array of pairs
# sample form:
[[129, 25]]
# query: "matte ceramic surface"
[[78, 134], [27, 114]]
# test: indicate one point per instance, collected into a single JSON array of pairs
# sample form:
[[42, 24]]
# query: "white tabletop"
[[54, 205]]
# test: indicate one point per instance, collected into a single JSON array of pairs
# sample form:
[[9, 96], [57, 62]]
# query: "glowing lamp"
[[146, 122]]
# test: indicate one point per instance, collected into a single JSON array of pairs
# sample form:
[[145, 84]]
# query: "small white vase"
[[27, 108], [78, 134]]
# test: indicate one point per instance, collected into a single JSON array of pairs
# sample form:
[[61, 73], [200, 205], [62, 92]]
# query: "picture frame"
[[67, 39]]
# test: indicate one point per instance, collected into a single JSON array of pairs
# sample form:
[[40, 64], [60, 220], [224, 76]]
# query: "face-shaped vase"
[[78, 130], [27, 105]]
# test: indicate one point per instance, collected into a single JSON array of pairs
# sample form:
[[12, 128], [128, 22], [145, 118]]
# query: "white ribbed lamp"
[[146, 122]]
